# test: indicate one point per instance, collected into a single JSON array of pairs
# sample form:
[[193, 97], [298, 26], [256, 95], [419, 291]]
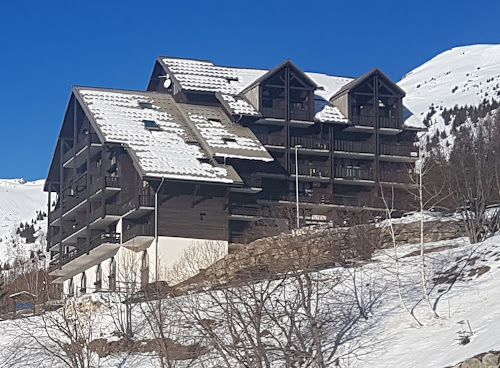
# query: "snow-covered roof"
[[238, 105], [222, 137], [167, 152], [203, 75]]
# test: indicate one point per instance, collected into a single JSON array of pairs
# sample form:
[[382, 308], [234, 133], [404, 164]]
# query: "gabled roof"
[[276, 69], [222, 138], [356, 82], [168, 152]]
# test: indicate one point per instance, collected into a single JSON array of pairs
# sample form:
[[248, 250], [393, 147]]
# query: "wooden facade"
[[341, 166]]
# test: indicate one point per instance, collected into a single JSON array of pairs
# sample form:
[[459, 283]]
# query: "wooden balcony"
[[398, 152], [252, 184], [138, 206], [106, 238], [70, 233], [313, 170], [363, 120], [102, 217], [389, 122], [310, 143], [353, 148], [272, 140], [353, 173], [75, 157], [245, 212], [397, 177], [107, 184], [296, 113], [139, 236]]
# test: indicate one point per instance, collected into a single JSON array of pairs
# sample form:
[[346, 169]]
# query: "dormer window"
[[145, 105], [151, 125]]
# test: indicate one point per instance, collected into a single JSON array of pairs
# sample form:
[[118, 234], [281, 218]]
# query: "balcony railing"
[[312, 170], [110, 238], [107, 210], [395, 177], [56, 213], [72, 202], [353, 146], [363, 120], [138, 230], [271, 140], [252, 181], [296, 113], [389, 122], [105, 182], [73, 228], [399, 150], [353, 173], [245, 210], [308, 198], [80, 145], [310, 143], [273, 112]]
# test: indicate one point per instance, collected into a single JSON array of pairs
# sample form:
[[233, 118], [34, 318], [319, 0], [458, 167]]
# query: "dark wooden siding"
[[191, 216]]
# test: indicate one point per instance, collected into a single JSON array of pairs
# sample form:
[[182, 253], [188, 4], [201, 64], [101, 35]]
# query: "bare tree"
[[389, 208], [200, 255], [62, 337], [472, 170]]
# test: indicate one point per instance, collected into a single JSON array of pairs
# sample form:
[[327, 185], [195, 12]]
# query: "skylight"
[[151, 125], [145, 105]]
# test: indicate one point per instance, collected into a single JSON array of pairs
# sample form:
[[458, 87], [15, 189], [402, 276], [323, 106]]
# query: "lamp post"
[[297, 183], [156, 228]]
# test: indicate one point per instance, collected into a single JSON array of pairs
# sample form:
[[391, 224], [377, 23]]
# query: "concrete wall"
[[129, 261]]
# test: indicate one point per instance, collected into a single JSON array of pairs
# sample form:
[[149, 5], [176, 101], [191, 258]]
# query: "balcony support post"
[[60, 199], [297, 184]]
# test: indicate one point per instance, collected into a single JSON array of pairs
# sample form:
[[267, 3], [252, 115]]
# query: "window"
[[202, 216], [145, 268], [112, 275], [151, 125], [83, 283], [98, 278], [71, 288]]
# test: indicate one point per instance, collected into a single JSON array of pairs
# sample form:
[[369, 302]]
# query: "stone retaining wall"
[[485, 360], [316, 247]]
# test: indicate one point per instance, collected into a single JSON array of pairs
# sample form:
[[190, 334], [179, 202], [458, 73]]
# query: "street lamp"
[[297, 182]]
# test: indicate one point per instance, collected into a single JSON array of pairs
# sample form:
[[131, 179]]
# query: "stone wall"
[[485, 360], [322, 247]]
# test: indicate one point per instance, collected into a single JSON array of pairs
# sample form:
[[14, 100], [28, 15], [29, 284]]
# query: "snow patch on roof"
[[326, 112], [162, 153], [239, 105]]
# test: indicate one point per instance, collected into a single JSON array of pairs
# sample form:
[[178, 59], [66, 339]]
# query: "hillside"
[[463, 280], [461, 76], [19, 202]]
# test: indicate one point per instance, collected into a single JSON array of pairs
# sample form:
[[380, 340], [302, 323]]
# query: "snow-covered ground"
[[461, 292], [19, 202]]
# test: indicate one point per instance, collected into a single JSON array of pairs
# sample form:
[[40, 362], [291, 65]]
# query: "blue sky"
[[48, 46]]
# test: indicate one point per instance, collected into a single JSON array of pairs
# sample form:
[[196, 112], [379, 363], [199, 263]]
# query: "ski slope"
[[19, 201]]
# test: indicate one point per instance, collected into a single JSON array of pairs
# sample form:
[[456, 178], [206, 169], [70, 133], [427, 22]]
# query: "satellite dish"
[[167, 82]]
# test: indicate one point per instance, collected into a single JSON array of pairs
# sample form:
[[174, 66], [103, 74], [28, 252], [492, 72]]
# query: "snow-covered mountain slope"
[[461, 76], [19, 202]]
